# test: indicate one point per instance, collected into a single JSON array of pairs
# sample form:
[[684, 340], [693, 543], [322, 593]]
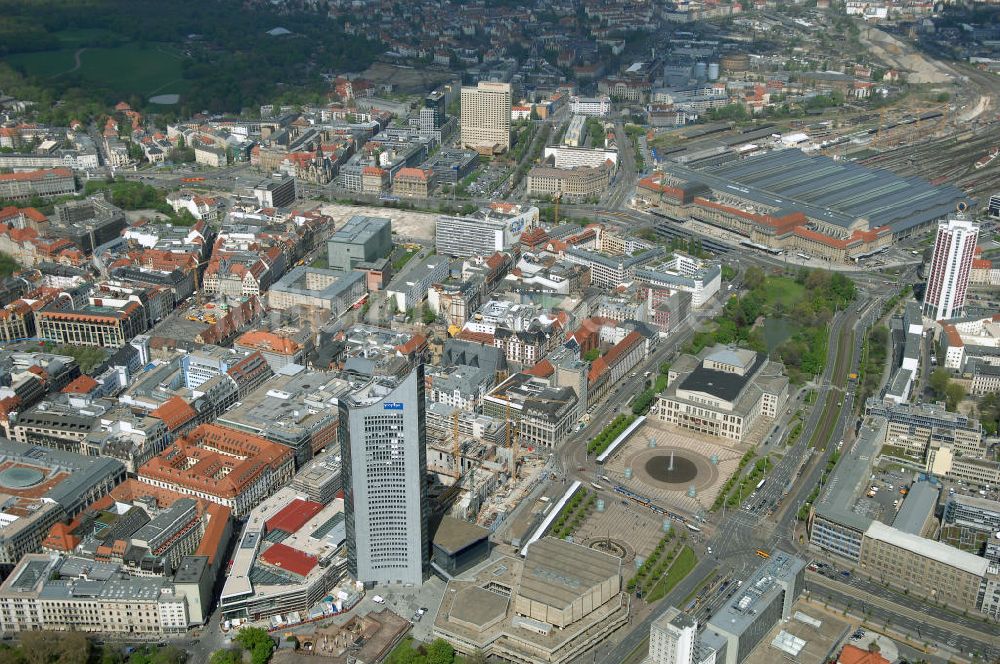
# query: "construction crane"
[[456, 449], [512, 427]]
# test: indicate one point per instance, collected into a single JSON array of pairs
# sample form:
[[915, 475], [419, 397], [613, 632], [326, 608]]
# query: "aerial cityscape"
[[508, 331]]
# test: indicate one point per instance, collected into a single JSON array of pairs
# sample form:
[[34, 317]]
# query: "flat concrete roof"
[[921, 546], [453, 534], [479, 606], [557, 572], [918, 505]]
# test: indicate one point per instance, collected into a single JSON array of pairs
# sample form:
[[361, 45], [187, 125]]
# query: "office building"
[[295, 408], [24, 523], [993, 207], [38, 596], [764, 600], [569, 156], [927, 568], [89, 223], [382, 438], [409, 288], [92, 324], [436, 103], [611, 271], [928, 435], [545, 414], [361, 240], [42, 183], [702, 279], [576, 132], [288, 558], [318, 289], [970, 522], [489, 230], [577, 182], [723, 394], [275, 192], [413, 183], [590, 106], [451, 165], [672, 638], [485, 117], [951, 264]]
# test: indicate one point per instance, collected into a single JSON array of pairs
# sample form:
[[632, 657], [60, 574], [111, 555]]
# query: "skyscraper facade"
[[382, 442], [951, 265], [485, 117]]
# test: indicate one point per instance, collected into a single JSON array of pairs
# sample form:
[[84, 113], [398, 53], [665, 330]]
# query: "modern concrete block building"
[[486, 231], [382, 438], [764, 600], [930, 569], [46, 183], [361, 240], [485, 117]]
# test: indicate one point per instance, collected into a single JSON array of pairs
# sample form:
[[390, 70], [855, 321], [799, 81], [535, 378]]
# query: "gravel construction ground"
[[406, 224], [918, 68]]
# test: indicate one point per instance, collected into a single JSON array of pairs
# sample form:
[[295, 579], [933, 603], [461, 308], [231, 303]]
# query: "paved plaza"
[[701, 465]]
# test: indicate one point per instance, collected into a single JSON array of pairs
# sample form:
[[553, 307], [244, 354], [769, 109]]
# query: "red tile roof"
[[36, 175], [293, 516], [175, 413], [855, 655], [268, 342], [82, 384], [287, 558]]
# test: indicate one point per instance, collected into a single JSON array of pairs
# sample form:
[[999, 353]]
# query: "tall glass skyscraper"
[[382, 441]]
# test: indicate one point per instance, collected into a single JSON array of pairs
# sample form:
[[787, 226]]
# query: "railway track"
[[838, 380]]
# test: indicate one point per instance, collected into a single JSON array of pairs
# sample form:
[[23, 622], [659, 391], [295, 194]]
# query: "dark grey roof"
[[721, 384], [920, 503], [836, 192]]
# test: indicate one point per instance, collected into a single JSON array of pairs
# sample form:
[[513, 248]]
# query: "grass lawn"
[[402, 259], [8, 265], [784, 291], [87, 357], [43, 63], [83, 36], [128, 68], [685, 562]]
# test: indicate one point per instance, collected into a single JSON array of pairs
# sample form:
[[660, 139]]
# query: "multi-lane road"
[[740, 532]]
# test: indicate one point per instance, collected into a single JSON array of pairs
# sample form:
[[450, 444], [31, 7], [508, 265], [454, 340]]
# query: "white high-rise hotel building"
[[951, 265], [486, 117]]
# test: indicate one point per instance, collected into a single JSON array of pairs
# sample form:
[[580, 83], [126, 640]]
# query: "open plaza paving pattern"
[[692, 452]]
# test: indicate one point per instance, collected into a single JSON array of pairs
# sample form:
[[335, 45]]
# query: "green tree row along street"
[[573, 513], [610, 432]]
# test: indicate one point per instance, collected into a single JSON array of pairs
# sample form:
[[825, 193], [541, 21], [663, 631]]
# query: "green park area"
[[775, 316], [142, 69]]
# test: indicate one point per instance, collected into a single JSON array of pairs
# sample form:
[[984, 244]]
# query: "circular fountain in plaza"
[[671, 468]]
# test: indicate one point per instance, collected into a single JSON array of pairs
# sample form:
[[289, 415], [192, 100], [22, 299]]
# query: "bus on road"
[[763, 554]]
